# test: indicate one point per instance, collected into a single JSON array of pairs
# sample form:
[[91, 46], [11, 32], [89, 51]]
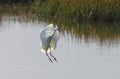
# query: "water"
[[79, 56]]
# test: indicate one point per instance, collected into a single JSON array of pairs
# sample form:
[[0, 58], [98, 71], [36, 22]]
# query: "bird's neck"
[[54, 33]]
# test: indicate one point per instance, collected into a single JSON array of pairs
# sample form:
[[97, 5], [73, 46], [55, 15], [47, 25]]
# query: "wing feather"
[[46, 33]]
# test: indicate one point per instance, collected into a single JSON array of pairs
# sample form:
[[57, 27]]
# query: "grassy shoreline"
[[90, 30], [78, 10], [67, 11]]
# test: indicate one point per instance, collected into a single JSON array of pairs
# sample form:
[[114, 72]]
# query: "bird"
[[49, 37]]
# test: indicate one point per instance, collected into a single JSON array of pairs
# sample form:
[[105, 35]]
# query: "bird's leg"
[[49, 57], [52, 55]]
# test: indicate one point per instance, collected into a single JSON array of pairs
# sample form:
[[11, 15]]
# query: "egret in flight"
[[49, 37]]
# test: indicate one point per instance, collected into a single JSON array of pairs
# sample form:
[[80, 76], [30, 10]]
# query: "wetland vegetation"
[[79, 10], [88, 19]]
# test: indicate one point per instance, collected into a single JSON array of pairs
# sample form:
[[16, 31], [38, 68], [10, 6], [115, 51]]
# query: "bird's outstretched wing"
[[46, 32]]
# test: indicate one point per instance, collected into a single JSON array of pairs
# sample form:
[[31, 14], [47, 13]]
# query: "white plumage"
[[49, 37]]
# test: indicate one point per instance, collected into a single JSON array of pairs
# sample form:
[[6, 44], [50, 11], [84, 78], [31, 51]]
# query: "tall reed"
[[79, 10]]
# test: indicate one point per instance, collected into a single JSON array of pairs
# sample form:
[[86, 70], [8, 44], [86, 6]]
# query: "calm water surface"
[[21, 58]]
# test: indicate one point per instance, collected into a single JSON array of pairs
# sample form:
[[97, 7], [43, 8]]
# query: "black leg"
[[49, 57], [52, 55]]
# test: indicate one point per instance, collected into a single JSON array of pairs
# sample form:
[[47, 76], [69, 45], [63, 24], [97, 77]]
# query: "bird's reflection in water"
[[49, 37]]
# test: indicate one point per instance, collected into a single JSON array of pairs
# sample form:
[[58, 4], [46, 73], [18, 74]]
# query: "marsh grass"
[[79, 10], [23, 11], [69, 19]]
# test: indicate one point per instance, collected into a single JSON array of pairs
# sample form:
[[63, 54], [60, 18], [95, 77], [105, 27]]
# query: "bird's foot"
[[50, 60]]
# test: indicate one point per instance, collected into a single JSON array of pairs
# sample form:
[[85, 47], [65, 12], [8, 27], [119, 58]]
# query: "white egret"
[[49, 37]]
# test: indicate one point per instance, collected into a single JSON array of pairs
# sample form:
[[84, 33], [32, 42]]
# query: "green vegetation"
[[75, 23], [68, 11], [78, 10]]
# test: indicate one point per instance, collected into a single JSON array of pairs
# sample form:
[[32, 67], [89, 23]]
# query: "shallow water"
[[78, 58]]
